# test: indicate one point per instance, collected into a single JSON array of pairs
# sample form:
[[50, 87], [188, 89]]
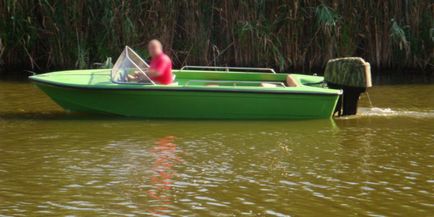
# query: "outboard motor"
[[353, 76]]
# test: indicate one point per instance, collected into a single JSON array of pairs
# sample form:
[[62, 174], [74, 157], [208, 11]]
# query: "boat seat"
[[265, 84], [291, 82]]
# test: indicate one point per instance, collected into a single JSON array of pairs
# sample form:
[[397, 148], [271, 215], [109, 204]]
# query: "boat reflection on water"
[[165, 154]]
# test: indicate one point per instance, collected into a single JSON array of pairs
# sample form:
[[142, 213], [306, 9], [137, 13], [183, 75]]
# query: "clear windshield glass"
[[129, 65]]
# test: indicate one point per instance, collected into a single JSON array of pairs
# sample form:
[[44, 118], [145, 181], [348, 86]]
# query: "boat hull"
[[192, 104]]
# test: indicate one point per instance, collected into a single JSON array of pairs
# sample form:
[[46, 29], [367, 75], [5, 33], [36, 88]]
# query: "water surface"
[[379, 163]]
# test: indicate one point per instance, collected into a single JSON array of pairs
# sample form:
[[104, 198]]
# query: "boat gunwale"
[[183, 88]]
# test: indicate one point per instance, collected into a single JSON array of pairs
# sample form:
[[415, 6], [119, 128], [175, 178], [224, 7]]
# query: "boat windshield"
[[130, 63]]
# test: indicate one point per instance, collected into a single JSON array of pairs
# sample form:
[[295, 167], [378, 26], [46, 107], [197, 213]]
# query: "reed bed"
[[287, 35]]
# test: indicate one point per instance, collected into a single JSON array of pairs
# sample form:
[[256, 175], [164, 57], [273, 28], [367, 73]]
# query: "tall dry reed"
[[287, 35]]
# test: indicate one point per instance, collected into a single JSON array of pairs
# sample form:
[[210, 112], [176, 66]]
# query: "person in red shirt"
[[160, 68]]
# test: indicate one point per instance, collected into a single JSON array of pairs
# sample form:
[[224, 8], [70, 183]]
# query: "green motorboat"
[[196, 92]]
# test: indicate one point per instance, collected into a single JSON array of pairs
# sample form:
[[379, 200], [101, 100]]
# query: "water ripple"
[[377, 164], [388, 112]]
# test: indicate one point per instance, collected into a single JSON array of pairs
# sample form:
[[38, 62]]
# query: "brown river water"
[[378, 163]]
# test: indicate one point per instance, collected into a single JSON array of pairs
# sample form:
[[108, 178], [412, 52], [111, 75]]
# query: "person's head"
[[155, 48]]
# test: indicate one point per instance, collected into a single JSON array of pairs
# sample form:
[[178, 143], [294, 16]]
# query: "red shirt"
[[163, 65]]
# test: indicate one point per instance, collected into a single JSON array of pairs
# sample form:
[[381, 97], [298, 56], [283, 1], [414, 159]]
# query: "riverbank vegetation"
[[287, 35]]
